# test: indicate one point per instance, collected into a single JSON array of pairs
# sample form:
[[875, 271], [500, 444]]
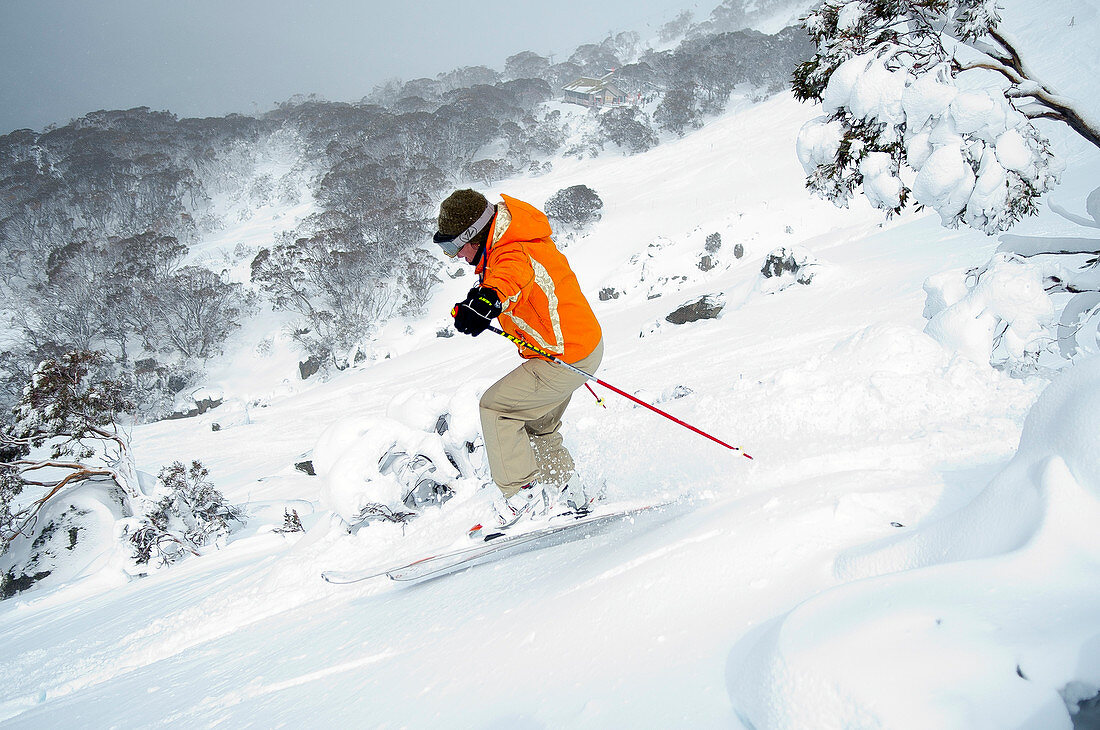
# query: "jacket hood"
[[528, 222]]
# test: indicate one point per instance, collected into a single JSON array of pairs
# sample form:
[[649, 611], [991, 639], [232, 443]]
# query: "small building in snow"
[[594, 92]]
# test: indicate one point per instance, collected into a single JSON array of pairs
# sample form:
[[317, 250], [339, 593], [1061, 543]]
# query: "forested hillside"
[[99, 217]]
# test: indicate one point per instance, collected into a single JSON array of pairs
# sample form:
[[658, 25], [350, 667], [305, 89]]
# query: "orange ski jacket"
[[542, 301]]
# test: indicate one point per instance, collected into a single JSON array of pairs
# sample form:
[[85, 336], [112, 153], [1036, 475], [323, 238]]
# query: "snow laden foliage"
[[1035, 305], [68, 470], [191, 506], [424, 452], [927, 102], [574, 208]]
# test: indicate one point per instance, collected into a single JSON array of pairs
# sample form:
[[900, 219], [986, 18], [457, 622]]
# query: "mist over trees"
[[98, 217]]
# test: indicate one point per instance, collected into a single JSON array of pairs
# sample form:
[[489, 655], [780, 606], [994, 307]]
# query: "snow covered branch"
[[900, 126]]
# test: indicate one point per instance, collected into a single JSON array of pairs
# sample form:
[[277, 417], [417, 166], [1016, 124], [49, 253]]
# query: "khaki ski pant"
[[521, 419]]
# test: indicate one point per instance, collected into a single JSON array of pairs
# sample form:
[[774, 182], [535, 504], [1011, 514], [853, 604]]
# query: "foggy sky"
[[60, 59]]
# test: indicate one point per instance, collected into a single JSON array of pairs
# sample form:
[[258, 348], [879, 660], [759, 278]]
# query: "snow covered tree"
[[343, 289], [489, 171], [677, 111], [577, 207], [67, 433], [627, 127], [526, 65], [194, 310], [189, 498], [928, 101]]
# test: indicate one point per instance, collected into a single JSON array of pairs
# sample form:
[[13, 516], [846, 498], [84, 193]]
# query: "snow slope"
[[781, 592]]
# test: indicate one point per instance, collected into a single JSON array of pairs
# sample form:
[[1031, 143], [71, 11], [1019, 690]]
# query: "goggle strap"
[[468, 235]]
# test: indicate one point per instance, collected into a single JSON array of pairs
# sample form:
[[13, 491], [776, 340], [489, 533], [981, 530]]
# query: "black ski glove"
[[481, 307]]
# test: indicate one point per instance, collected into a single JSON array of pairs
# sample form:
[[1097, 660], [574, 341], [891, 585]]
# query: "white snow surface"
[[914, 544]]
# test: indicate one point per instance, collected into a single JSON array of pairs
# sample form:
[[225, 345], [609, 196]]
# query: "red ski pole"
[[594, 379]]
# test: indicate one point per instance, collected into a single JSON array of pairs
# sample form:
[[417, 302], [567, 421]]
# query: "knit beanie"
[[460, 211]]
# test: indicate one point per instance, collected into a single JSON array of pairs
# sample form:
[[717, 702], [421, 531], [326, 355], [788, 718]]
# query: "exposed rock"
[[608, 293], [708, 307], [306, 467], [201, 407], [309, 367], [10, 584]]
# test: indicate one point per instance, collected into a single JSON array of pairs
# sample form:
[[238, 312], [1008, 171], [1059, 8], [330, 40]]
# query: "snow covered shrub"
[[576, 207], [998, 313], [189, 496], [68, 445], [291, 522], [927, 102], [425, 452], [1038, 296], [628, 128]]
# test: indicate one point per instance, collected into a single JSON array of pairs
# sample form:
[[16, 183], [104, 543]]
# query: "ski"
[[496, 545]]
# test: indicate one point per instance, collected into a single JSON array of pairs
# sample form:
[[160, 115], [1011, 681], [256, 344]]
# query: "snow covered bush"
[[628, 128], [575, 207], [927, 102], [996, 313], [423, 453], [68, 446], [1027, 308], [189, 497]]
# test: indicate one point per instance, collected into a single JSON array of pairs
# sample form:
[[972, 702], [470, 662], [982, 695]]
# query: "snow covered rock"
[[707, 307], [785, 266], [426, 449], [75, 540]]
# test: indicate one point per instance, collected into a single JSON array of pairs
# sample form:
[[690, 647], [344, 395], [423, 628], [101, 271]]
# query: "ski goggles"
[[451, 245]]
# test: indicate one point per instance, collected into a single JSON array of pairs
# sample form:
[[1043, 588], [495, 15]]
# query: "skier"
[[526, 282]]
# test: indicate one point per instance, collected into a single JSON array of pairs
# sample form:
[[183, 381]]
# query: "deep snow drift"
[[984, 618]]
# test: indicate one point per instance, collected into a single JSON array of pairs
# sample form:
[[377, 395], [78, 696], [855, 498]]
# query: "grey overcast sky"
[[60, 59]]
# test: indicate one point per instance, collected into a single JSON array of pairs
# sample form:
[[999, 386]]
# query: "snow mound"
[[993, 625], [1006, 304], [426, 441]]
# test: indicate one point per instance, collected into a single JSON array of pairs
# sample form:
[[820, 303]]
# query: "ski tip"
[[746, 455]]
